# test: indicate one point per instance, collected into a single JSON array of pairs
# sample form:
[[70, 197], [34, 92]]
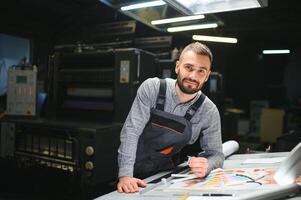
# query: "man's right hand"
[[129, 184]]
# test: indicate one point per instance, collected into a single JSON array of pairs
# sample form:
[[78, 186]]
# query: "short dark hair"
[[198, 48]]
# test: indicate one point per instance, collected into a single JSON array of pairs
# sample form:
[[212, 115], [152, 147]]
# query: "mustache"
[[191, 80]]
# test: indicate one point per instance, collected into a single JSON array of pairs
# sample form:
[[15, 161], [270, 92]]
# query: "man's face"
[[192, 72]]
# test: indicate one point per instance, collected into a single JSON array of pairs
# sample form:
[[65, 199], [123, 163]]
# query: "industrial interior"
[[70, 70]]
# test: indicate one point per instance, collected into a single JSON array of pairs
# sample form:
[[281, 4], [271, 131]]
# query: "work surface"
[[258, 164]]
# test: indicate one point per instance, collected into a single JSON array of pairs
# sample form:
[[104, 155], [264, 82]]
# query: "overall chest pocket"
[[167, 124], [165, 136]]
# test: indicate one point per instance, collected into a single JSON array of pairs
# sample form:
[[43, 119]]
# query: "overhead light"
[[215, 6], [214, 39], [279, 51], [192, 27], [177, 19], [143, 5]]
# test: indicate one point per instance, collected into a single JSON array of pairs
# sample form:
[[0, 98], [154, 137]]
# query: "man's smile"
[[190, 83]]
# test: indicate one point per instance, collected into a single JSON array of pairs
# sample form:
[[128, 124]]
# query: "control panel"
[[21, 91]]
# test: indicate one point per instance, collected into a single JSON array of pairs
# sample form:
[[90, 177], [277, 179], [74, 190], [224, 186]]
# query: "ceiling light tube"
[[192, 27], [216, 6], [177, 19], [143, 5], [280, 51], [214, 39]]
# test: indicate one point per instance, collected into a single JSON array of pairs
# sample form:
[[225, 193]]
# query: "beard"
[[188, 90]]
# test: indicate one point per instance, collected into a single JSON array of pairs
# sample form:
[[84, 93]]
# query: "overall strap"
[[161, 96], [194, 107]]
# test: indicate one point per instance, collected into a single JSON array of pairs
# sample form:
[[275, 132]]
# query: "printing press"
[[100, 85], [69, 150]]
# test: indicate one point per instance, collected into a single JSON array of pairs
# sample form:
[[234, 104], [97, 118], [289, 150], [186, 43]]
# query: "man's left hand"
[[198, 166]]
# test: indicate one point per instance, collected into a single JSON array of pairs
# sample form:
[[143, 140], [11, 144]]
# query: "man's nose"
[[193, 75]]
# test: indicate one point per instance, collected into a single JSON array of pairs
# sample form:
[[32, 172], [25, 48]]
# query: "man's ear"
[[177, 67], [209, 72]]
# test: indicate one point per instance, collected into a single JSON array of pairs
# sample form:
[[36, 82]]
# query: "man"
[[167, 115]]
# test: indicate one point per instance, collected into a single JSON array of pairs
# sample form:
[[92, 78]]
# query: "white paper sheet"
[[263, 160]]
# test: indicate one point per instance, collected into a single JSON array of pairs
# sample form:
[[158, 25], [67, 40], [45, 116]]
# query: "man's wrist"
[[125, 171]]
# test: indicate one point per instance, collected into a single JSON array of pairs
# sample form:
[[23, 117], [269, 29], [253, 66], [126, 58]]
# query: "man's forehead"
[[197, 65]]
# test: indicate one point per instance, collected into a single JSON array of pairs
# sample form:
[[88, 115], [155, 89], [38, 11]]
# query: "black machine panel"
[[99, 85], [88, 153]]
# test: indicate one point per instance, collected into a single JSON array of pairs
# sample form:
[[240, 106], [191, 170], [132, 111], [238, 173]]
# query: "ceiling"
[[277, 25]]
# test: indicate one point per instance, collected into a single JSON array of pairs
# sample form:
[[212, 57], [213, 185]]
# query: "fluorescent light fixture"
[[177, 19], [192, 27], [280, 51], [215, 6], [143, 5], [214, 39]]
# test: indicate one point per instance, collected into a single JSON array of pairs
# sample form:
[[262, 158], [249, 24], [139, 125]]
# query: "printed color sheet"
[[230, 179]]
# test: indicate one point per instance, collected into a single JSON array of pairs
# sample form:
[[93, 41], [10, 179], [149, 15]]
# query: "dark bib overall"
[[163, 137]]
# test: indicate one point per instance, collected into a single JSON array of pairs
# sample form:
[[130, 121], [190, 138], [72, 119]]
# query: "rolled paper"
[[230, 147]]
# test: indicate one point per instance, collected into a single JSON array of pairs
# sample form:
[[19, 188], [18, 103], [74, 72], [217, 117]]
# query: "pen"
[[217, 195], [181, 175], [201, 154], [183, 179]]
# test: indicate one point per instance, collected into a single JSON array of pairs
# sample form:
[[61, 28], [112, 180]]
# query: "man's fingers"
[[199, 166], [129, 184], [199, 169], [131, 187], [200, 174], [198, 160], [125, 188], [135, 186], [119, 188], [141, 183]]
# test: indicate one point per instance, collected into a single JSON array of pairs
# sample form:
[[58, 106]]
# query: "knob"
[[89, 150], [89, 165]]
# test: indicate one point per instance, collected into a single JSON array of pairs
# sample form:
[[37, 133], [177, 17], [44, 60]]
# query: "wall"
[[14, 48]]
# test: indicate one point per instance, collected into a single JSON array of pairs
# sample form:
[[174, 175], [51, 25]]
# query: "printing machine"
[[74, 145], [99, 85], [57, 159]]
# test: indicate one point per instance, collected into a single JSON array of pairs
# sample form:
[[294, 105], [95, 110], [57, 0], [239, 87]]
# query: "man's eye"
[[202, 71], [188, 67]]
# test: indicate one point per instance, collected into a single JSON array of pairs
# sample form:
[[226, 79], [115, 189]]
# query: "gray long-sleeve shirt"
[[206, 121]]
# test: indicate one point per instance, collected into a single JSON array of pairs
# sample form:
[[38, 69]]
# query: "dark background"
[[247, 74]]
